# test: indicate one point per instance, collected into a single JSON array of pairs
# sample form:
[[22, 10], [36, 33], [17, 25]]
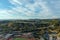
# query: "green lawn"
[[20, 39]]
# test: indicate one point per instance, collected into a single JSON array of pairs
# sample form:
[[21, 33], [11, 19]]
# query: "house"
[[9, 37], [1, 37]]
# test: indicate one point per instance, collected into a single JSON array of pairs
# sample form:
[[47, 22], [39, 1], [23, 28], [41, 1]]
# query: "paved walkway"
[[58, 38]]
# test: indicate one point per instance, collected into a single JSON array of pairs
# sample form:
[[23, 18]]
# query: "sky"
[[29, 9]]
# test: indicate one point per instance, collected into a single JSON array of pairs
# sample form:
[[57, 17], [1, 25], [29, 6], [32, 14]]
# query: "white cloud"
[[24, 10], [23, 6], [4, 14]]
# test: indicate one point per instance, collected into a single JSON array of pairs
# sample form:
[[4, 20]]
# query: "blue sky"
[[29, 9]]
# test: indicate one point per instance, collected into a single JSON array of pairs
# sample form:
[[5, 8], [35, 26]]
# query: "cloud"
[[29, 9], [4, 14], [37, 8]]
